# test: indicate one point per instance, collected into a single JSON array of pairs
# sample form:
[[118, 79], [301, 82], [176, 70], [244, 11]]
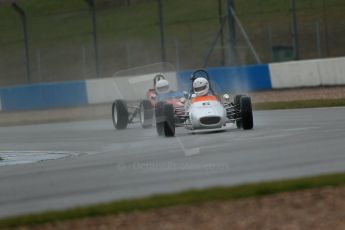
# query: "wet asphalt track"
[[135, 162]]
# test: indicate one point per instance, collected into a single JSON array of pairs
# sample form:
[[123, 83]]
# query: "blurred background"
[[61, 43]]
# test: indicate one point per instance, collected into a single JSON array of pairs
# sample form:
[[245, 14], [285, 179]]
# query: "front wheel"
[[120, 114], [239, 124], [165, 119], [237, 99], [159, 117], [246, 112], [169, 123]]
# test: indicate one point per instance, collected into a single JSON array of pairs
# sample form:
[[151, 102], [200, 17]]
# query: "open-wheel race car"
[[203, 112], [124, 114]]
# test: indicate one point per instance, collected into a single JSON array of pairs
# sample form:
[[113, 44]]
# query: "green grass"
[[191, 197], [300, 104]]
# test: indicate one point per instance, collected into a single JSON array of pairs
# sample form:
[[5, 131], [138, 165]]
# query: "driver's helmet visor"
[[163, 88], [201, 88]]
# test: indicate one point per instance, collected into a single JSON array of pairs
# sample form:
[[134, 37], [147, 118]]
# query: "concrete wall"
[[128, 88], [100, 90], [321, 72], [332, 71]]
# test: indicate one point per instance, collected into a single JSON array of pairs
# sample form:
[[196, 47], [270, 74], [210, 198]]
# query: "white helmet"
[[201, 86], [162, 86]]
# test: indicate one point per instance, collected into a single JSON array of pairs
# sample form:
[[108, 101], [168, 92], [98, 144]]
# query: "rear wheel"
[[120, 114], [246, 112], [146, 114]]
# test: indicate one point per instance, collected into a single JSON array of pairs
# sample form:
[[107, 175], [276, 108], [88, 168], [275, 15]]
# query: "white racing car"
[[204, 112]]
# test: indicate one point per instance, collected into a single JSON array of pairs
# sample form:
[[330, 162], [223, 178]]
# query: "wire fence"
[[61, 45]]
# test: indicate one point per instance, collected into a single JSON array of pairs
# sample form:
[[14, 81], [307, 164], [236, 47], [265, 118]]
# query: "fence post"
[[92, 6], [83, 63], [318, 39], [39, 65], [232, 33], [22, 14], [294, 29], [246, 37], [325, 21], [161, 30], [128, 51], [177, 54], [220, 14], [270, 40]]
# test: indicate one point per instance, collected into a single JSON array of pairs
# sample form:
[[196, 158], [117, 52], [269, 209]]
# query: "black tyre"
[[146, 113], [239, 124], [237, 104], [120, 114], [237, 99], [246, 112], [159, 118], [169, 123]]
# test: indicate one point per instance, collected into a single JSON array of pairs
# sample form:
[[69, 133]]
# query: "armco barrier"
[[332, 71], [224, 79], [44, 96], [318, 72], [102, 90], [235, 79], [295, 74]]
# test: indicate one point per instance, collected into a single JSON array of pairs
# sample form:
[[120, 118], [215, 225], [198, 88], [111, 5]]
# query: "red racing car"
[[123, 114]]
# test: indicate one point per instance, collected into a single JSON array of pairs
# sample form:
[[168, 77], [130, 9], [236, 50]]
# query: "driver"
[[163, 91], [201, 87], [162, 86], [157, 78]]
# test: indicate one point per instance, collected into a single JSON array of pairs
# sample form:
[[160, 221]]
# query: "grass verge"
[[299, 104], [182, 198]]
